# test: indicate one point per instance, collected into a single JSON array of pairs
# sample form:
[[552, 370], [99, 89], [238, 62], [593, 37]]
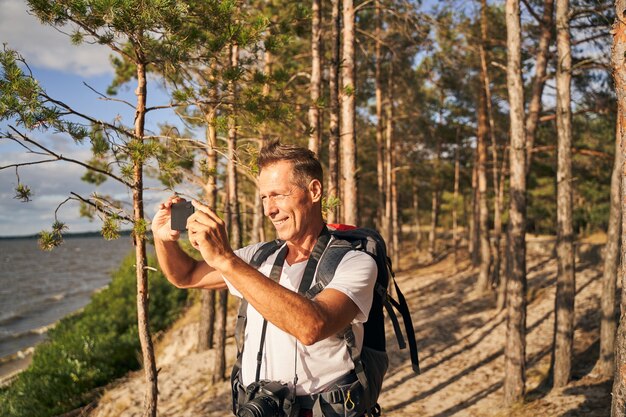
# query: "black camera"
[[266, 399], [180, 212]]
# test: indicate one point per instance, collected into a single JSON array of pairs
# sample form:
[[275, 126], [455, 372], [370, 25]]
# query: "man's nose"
[[269, 207]]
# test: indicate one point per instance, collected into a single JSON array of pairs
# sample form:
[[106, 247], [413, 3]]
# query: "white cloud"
[[45, 47]]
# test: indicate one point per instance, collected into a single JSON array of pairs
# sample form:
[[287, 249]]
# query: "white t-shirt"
[[317, 366]]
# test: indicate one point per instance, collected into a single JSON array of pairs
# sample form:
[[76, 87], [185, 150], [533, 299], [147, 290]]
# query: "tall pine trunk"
[[416, 213], [515, 347], [474, 232], [565, 282], [206, 326], [618, 58], [232, 215], [221, 316], [141, 262], [434, 209], [608, 325], [380, 128], [233, 196], [539, 80], [348, 102], [333, 139], [392, 195], [497, 202], [455, 200], [315, 132], [482, 285], [502, 283], [258, 227]]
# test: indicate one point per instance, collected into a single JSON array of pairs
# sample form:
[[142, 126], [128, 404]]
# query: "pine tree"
[[515, 348], [566, 284]]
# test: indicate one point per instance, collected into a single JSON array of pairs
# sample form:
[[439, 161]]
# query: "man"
[[301, 346]]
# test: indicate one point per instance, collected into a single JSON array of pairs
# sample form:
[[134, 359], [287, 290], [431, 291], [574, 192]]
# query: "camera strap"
[[277, 269]]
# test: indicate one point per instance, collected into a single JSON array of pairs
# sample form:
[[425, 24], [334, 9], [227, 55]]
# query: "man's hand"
[[161, 228], [207, 233]]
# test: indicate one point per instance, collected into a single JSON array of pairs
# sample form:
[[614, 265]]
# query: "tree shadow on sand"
[[597, 399]]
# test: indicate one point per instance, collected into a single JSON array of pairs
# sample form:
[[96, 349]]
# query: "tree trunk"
[[393, 175], [234, 226], [333, 140], [315, 131], [395, 219], [618, 58], [482, 284], [502, 282], [258, 229], [348, 137], [219, 369], [141, 262], [515, 348], [539, 80], [497, 202], [565, 282], [455, 199], [434, 218], [416, 212], [434, 210], [380, 142], [235, 220], [258, 220], [474, 240], [389, 166], [608, 325], [206, 328]]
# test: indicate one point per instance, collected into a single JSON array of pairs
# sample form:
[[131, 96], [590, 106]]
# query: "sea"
[[38, 288]]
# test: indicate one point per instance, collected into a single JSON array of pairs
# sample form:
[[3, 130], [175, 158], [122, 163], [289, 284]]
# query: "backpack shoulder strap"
[[258, 258], [329, 261], [333, 255]]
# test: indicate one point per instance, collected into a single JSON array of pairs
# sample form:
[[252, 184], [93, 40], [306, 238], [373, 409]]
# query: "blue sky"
[[61, 69]]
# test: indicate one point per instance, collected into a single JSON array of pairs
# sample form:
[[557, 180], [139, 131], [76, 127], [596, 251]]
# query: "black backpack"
[[371, 365]]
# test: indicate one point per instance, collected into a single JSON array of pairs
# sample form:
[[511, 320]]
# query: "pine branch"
[[88, 118], [22, 164], [532, 12], [100, 208], [74, 161], [591, 38], [107, 98]]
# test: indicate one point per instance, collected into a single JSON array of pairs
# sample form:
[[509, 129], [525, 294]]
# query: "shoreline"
[[11, 366]]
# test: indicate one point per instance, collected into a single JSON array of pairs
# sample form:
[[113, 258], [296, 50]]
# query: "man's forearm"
[[175, 263]]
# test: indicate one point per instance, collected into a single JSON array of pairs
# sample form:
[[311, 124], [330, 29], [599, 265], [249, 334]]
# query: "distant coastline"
[[65, 235]]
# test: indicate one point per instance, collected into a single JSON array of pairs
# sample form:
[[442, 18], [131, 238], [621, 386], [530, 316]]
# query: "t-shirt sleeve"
[[355, 277], [246, 254]]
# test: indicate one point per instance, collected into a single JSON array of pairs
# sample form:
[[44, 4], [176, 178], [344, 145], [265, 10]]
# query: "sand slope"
[[460, 336]]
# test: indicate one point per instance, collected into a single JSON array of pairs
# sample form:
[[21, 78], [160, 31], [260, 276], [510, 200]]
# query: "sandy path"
[[460, 336]]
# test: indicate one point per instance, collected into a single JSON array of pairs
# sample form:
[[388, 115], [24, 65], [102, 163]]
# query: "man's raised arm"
[[179, 268]]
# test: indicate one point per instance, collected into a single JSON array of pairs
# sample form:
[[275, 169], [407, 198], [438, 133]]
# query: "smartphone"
[[180, 212]]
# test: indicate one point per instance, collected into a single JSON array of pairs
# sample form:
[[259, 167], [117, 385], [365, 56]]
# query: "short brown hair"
[[306, 166]]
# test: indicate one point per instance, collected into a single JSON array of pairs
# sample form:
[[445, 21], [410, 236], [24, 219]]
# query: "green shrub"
[[90, 348]]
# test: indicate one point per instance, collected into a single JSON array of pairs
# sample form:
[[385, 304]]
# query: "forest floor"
[[461, 337]]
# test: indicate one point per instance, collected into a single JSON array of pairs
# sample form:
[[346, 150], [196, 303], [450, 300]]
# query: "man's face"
[[285, 203]]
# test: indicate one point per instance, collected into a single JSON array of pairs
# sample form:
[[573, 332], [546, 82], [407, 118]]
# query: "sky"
[[62, 69]]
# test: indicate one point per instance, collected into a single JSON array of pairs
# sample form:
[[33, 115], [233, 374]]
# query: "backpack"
[[371, 364]]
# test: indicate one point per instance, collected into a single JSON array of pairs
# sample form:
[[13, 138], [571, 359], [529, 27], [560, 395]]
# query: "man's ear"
[[315, 190]]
